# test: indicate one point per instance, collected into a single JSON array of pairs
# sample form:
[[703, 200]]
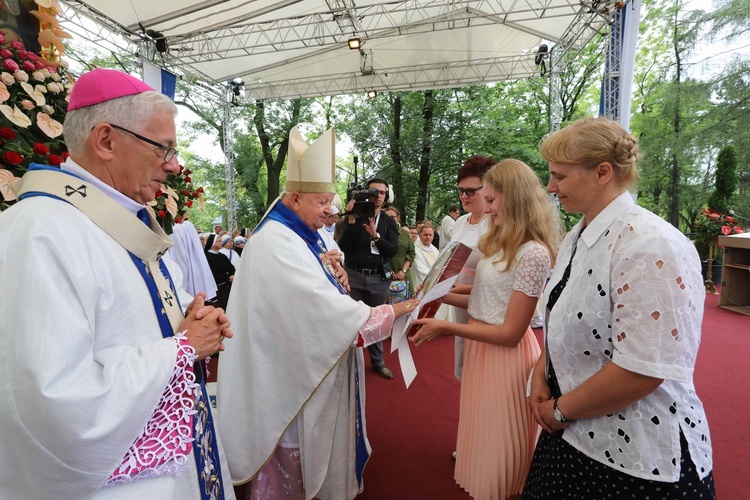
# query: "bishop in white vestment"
[[291, 390], [100, 394]]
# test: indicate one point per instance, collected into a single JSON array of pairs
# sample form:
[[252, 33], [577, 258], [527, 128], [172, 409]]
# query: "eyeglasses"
[[169, 153], [468, 191]]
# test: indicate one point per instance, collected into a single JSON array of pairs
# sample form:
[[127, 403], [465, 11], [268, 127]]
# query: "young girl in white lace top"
[[496, 430]]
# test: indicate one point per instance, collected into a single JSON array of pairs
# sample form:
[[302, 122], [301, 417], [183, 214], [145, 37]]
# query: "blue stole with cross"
[[205, 446]]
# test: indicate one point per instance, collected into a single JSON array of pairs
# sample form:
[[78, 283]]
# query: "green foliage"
[[726, 181]]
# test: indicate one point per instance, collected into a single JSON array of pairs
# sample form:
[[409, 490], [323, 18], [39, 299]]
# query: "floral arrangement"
[[33, 102], [709, 225], [175, 199]]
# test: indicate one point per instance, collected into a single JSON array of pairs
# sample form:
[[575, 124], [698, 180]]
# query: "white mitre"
[[311, 169]]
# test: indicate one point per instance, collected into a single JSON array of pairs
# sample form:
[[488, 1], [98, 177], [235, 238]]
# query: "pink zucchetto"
[[102, 85]]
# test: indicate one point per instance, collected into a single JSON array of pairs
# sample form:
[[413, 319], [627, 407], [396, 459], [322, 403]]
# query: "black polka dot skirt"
[[559, 471]]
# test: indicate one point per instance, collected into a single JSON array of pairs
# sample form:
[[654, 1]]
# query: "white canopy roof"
[[295, 48]]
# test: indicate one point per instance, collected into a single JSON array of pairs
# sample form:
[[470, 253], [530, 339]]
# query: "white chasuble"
[[81, 375], [291, 362]]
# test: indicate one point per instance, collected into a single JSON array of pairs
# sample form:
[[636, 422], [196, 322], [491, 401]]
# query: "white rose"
[[21, 76], [55, 77], [38, 76], [7, 78], [48, 109], [40, 88], [45, 72], [52, 87]]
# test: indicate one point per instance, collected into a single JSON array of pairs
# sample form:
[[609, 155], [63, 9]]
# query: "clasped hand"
[[205, 327], [541, 404]]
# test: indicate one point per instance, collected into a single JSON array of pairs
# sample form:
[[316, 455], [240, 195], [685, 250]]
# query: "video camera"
[[363, 207]]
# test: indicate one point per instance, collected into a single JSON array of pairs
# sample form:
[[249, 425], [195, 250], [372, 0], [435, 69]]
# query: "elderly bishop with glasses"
[[102, 374]]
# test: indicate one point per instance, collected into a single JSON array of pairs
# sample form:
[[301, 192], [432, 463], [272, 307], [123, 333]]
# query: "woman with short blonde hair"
[[614, 390]]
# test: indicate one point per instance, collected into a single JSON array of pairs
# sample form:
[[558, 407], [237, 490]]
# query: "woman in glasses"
[[467, 230]]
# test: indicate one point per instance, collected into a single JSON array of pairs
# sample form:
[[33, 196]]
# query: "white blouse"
[[635, 297]]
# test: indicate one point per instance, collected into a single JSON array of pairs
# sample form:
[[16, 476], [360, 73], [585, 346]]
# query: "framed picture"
[[17, 24]]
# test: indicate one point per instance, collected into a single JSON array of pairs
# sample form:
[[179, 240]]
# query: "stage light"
[[354, 43]]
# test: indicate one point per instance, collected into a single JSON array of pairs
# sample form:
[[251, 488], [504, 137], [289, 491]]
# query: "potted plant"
[[707, 228]]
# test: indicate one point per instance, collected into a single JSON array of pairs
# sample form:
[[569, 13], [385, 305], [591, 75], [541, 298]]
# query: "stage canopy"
[[294, 48]]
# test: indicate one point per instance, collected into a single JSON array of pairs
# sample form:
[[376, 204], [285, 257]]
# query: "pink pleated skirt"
[[496, 430]]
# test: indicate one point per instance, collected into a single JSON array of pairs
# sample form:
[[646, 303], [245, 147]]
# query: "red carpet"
[[413, 432]]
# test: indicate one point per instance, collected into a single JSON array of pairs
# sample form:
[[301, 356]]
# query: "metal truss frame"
[[592, 17], [436, 75], [611, 81], [367, 22]]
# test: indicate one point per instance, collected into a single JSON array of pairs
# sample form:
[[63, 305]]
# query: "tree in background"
[[726, 181]]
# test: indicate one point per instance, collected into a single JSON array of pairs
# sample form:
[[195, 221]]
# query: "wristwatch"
[[557, 413], [377, 237]]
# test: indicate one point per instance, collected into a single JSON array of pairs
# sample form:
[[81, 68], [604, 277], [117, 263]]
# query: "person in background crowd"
[[401, 262], [327, 235], [369, 246], [101, 396], [221, 268], [446, 226], [496, 429], [425, 254], [227, 248], [239, 244], [291, 392], [614, 391], [414, 234]]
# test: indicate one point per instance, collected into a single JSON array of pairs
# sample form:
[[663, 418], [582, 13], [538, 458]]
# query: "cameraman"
[[368, 246]]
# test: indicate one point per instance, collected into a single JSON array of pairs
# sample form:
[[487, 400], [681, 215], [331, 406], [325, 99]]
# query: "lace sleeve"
[[378, 327], [165, 443], [532, 271]]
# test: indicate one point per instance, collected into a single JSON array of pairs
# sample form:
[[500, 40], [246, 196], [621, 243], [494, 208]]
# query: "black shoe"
[[384, 372]]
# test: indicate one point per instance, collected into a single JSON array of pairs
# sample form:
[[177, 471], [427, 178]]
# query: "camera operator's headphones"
[[388, 193]]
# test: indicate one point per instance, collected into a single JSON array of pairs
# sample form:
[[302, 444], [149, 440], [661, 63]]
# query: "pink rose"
[[10, 65], [28, 66], [16, 45], [26, 104], [6, 54], [31, 56], [22, 54], [2, 38], [38, 64]]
